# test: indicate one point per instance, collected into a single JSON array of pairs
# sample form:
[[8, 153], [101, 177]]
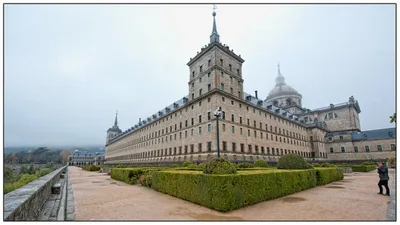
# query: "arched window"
[[288, 101]]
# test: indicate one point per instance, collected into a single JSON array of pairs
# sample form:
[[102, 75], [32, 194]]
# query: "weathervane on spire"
[[214, 34]]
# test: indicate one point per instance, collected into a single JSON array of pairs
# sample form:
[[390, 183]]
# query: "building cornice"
[[219, 46]]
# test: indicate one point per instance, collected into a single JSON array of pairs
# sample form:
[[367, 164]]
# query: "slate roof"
[[379, 134], [183, 101]]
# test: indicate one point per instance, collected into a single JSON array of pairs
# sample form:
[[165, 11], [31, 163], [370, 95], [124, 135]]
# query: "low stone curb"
[[70, 213]]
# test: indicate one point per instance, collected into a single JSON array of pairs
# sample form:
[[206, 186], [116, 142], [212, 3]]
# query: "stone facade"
[[249, 128]]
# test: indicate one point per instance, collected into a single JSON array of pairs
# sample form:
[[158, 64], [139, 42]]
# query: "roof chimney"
[[256, 95], [140, 120]]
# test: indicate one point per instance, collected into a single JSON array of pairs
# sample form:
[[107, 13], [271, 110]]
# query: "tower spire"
[[116, 119], [280, 79], [214, 34]]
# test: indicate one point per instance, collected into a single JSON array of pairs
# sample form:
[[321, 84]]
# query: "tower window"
[[231, 91], [201, 69], [200, 80], [200, 92], [192, 95], [222, 87], [230, 67], [209, 62], [209, 87], [222, 74], [193, 74], [209, 74], [237, 71], [222, 62]]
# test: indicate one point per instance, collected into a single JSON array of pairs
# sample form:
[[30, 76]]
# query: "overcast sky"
[[68, 68]]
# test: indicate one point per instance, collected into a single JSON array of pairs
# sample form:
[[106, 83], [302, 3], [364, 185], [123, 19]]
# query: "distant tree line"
[[27, 174], [40, 155]]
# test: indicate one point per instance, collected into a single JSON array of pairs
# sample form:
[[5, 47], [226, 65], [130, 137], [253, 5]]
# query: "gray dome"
[[281, 88]]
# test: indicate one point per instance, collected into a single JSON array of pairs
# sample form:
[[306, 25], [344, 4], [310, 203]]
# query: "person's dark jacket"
[[383, 173]]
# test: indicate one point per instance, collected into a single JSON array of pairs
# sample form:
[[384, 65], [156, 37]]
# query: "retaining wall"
[[26, 202]]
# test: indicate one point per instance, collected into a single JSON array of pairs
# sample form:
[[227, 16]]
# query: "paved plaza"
[[98, 197]]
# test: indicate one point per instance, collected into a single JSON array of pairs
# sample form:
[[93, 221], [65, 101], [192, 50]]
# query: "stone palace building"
[[249, 128]]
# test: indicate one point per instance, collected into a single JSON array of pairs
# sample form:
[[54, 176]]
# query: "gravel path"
[[98, 197]]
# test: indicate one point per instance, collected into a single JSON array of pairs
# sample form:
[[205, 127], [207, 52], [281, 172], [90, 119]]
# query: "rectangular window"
[[192, 121], [248, 133], [239, 94], [256, 148], [241, 131], [261, 135], [249, 148], [379, 148], [209, 127], [209, 62], [209, 146], [186, 149], [255, 133], [233, 129], [191, 148], [240, 120], [224, 146], [262, 150], [199, 130], [341, 137], [367, 148], [222, 87], [200, 92], [200, 119], [231, 91], [200, 147], [393, 147], [268, 152], [241, 147], [191, 132], [223, 127], [233, 118], [180, 150], [201, 69], [209, 87], [233, 147], [186, 123], [223, 115], [209, 115], [185, 133], [355, 149], [342, 148]]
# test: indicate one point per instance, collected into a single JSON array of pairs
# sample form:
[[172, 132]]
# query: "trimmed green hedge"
[[328, 174], [231, 191], [91, 168], [363, 168], [260, 163], [129, 175]]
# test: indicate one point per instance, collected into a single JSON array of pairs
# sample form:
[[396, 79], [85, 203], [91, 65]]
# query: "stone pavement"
[[98, 197], [391, 211]]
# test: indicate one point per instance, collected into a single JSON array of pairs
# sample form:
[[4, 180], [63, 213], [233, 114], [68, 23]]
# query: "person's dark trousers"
[[384, 183]]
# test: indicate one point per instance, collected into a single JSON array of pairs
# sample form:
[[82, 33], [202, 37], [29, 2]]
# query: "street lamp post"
[[217, 114]]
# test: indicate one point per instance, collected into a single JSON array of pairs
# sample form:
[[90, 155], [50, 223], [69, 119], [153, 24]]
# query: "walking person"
[[383, 178]]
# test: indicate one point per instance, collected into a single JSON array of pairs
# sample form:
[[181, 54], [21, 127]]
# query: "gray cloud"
[[69, 67]]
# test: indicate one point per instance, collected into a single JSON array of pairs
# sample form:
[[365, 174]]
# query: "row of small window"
[[161, 132], [82, 157], [178, 151], [366, 148], [209, 126], [223, 100], [223, 117], [209, 65], [222, 89]]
